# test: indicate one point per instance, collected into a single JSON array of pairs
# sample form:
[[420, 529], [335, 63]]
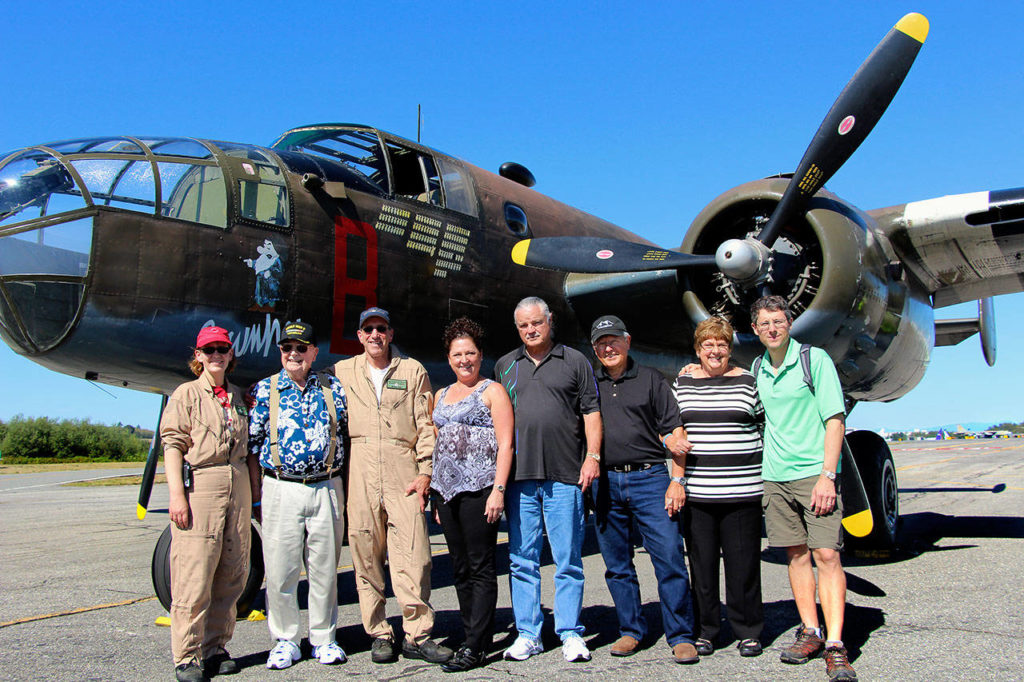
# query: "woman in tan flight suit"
[[204, 429]]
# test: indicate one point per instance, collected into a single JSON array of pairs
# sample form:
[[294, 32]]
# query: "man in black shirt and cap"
[[640, 414]]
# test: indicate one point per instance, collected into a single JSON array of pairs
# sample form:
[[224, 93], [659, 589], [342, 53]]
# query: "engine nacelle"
[[841, 277]]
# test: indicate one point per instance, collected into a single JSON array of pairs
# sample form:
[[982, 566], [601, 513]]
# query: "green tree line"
[[41, 439]]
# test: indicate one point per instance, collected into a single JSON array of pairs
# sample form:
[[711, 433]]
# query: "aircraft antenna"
[[419, 121]]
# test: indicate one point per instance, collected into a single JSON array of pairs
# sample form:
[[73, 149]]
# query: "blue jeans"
[[620, 499], [533, 506]]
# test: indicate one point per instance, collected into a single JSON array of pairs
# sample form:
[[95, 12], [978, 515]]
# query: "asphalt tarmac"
[[76, 597]]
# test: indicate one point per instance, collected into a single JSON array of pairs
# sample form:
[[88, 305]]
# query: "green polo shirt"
[[794, 434]]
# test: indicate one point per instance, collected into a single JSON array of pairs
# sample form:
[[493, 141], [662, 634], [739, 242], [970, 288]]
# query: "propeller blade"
[[856, 111], [598, 254], [149, 473]]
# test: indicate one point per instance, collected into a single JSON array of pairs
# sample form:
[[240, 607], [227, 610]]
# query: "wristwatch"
[[500, 488], [596, 456], [830, 475], [680, 480]]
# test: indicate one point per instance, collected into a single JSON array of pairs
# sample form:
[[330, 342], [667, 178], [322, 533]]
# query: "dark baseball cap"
[[606, 325], [298, 331], [374, 312]]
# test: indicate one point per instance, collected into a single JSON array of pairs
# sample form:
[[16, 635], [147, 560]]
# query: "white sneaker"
[[522, 649], [329, 654], [283, 655], [575, 649]]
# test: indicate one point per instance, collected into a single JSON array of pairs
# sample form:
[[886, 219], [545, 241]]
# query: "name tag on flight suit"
[[400, 384]]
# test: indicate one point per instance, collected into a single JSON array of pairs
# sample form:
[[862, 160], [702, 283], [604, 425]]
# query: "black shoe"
[[429, 650], [464, 659], [383, 651], [189, 672], [749, 647], [220, 663], [704, 647]]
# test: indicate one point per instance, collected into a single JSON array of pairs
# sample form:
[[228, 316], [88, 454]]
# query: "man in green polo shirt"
[[803, 438]]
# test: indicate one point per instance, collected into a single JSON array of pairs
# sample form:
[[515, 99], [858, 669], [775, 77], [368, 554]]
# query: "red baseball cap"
[[209, 335]]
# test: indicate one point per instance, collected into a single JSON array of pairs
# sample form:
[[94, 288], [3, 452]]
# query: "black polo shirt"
[[637, 409], [550, 400]]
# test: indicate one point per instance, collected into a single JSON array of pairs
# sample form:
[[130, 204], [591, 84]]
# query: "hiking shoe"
[[575, 649], [704, 647], [383, 650], [522, 649], [189, 672], [684, 652], [625, 646], [219, 663], [428, 650], [837, 665], [750, 647], [329, 654], [283, 654], [464, 659], [807, 646]]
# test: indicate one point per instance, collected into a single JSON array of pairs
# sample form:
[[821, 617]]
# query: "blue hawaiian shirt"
[[303, 425]]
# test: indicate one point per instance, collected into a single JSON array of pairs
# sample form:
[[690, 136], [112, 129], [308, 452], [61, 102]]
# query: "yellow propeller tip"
[[914, 25], [140, 512], [519, 252], [859, 525]]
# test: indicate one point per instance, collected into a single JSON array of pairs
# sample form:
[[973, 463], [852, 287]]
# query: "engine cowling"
[[841, 278]]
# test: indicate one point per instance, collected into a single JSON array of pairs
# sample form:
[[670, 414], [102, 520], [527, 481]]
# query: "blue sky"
[[639, 113]]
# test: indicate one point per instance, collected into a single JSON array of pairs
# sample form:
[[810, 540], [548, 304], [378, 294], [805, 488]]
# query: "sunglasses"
[[289, 347], [371, 328], [210, 350]]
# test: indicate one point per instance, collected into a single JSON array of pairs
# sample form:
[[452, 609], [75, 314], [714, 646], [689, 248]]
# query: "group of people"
[[695, 461]]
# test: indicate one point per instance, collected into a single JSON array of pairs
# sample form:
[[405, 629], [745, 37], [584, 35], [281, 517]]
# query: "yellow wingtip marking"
[[519, 252], [859, 525], [140, 512], [914, 25]]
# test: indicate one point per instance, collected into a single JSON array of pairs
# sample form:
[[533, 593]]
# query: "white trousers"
[[302, 523]]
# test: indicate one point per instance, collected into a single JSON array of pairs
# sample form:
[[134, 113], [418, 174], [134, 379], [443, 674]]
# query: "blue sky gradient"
[[640, 113]]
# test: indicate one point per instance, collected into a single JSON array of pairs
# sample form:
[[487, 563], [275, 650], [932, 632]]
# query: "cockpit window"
[[262, 192], [458, 189], [119, 183], [194, 192], [116, 145], [178, 147], [359, 150]]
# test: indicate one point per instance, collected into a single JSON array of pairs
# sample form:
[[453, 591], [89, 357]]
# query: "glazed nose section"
[[45, 242]]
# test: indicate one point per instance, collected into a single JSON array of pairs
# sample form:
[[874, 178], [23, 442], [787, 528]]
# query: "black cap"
[[374, 312], [298, 331], [606, 325]]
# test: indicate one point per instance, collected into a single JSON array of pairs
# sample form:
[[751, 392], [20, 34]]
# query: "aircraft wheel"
[[877, 470], [161, 571]]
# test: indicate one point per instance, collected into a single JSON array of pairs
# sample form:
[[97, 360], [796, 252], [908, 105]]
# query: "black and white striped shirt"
[[723, 418]]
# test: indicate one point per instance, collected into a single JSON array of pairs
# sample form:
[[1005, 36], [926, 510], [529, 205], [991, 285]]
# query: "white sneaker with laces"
[[522, 649], [283, 655], [329, 654], [575, 649]]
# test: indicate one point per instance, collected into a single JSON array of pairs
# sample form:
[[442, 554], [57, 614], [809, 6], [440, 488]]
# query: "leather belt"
[[273, 473], [626, 468]]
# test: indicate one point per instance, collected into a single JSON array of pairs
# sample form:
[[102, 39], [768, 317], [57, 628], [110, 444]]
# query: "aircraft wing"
[[961, 247]]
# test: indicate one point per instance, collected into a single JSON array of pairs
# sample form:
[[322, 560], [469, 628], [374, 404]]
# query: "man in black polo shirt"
[[554, 396], [640, 413]]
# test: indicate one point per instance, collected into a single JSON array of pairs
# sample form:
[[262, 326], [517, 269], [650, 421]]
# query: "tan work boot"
[[625, 646], [684, 652]]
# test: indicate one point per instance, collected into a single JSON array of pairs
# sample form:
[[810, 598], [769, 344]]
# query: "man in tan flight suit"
[[390, 464]]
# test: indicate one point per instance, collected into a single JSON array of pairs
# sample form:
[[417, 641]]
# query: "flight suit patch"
[[400, 384]]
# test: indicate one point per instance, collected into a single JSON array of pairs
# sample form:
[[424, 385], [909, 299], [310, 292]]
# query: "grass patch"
[[64, 466], [115, 480]]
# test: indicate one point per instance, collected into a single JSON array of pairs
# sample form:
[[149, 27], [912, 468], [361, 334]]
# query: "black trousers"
[[732, 531], [471, 542]]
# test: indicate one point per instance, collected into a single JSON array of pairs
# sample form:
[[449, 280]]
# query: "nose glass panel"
[[35, 184]]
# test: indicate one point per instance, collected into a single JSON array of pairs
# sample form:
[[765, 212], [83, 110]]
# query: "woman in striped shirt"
[[723, 418]]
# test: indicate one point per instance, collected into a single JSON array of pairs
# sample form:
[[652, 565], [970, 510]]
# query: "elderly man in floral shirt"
[[296, 428]]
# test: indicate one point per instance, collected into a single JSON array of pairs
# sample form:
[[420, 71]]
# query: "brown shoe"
[[837, 665], [807, 646], [625, 646], [684, 652]]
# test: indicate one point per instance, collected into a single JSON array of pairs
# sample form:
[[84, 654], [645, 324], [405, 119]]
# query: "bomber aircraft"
[[115, 250]]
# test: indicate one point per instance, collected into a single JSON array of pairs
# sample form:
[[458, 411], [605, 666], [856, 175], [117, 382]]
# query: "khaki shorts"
[[790, 521]]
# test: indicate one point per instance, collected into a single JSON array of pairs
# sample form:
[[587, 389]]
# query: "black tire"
[[877, 470], [161, 571]]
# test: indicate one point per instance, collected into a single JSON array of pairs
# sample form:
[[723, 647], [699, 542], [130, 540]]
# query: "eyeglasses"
[[371, 328], [711, 345], [287, 348], [210, 350], [772, 324]]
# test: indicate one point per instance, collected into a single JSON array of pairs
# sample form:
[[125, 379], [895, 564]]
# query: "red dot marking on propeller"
[[605, 254], [846, 125]]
